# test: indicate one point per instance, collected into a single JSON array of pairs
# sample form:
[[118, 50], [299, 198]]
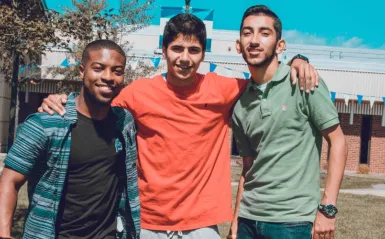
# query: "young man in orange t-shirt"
[[182, 119]]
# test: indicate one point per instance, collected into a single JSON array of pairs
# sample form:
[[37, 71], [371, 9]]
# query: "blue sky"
[[354, 23]]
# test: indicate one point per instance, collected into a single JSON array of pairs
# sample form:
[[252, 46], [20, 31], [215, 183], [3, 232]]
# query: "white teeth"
[[105, 87]]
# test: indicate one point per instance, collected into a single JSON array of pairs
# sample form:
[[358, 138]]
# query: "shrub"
[[363, 169]]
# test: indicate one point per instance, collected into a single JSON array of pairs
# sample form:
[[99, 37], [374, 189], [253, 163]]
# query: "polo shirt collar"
[[282, 71]]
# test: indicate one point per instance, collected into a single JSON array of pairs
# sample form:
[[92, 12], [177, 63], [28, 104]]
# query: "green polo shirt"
[[280, 128]]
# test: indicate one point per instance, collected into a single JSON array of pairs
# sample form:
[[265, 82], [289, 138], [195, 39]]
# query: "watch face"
[[330, 210]]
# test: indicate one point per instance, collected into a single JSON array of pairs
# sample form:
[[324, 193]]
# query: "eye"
[[247, 33], [177, 48], [97, 68], [194, 50], [119, 72], [265, 33]]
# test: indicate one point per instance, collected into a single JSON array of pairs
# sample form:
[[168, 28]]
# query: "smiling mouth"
[[106, 87], [184, 67], [255, 50]]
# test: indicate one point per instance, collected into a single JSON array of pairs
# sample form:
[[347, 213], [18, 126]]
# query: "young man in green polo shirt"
[[278, 130]]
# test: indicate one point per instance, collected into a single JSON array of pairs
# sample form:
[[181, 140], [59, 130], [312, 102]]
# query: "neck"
[[175, 81], [91, 110], [263, 74]]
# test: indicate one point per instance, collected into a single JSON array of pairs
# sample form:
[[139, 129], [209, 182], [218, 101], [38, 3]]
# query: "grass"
[[359, 217]]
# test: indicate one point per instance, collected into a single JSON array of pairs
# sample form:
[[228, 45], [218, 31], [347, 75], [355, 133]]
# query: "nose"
[[255, 40], [184, 57], [107, 75]]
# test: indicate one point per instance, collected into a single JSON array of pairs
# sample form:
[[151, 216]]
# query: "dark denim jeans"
[[250, 229]]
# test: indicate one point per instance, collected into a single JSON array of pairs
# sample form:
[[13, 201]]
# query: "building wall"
[[377, 147], [353, 139]]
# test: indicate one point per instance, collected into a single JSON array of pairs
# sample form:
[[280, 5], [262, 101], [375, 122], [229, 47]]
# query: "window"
[[366, 134]]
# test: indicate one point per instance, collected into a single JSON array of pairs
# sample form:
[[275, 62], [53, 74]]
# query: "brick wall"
[[377, 147], [353, 139]]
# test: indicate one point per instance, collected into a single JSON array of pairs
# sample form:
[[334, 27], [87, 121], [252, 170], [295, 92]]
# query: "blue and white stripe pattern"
[[42, 151]]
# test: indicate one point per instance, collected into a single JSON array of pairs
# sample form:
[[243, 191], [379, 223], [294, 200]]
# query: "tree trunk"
[[12, 108]]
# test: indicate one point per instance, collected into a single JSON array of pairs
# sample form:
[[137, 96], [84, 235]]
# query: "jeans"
[[250, 229]]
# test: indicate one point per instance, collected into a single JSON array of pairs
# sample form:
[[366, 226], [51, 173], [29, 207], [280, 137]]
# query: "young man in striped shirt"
[[81, 168]]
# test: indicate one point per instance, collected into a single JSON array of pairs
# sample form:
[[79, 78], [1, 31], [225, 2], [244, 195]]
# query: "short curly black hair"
[[101, 44]]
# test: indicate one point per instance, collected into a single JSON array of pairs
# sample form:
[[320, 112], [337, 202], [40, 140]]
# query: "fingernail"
[[307, 91], [301, 88], [312, 89]]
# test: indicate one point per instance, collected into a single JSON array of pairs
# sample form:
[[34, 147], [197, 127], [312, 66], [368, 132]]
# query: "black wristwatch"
[[329, 210], [299, 56]]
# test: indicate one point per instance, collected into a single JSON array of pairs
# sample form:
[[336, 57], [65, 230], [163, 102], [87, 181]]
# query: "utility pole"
[[12, 107], [187, 7]]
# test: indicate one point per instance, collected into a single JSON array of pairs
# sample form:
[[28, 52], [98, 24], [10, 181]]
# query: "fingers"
[[293, 75], [63, 98], [308, 75], [301, 76], [53, 103], [44, 108], [318, 233], [316, 78]]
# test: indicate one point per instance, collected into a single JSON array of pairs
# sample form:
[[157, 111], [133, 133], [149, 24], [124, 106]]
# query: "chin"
[[103, 100], [184, 76]]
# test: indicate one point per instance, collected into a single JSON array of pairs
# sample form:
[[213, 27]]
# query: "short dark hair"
[[187, 25], [263, 10], [101, 44]]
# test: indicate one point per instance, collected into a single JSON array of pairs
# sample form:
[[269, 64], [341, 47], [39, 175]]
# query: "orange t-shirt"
[[183, 150]]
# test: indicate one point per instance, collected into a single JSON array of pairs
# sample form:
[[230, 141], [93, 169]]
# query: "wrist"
[[329, 198], [328, 210], [301, 57]]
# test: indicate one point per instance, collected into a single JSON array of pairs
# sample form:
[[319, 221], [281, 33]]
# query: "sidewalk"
[[377, 190]]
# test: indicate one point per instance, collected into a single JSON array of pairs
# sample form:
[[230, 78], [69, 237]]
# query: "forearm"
[[336, 167], [238, 198], [8, 200]]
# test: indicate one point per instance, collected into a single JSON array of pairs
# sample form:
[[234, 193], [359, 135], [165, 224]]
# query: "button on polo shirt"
[[280, 128]]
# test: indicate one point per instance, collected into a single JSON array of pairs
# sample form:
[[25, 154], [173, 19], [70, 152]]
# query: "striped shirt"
[[42, 151]]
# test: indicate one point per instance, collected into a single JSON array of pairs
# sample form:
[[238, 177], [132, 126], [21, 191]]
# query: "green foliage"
[[26, 29], [90, 20], [30, 30]]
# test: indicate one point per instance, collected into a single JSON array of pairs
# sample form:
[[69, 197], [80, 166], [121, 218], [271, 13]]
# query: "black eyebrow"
[[93, 63], [247, 28], [265, 28]]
